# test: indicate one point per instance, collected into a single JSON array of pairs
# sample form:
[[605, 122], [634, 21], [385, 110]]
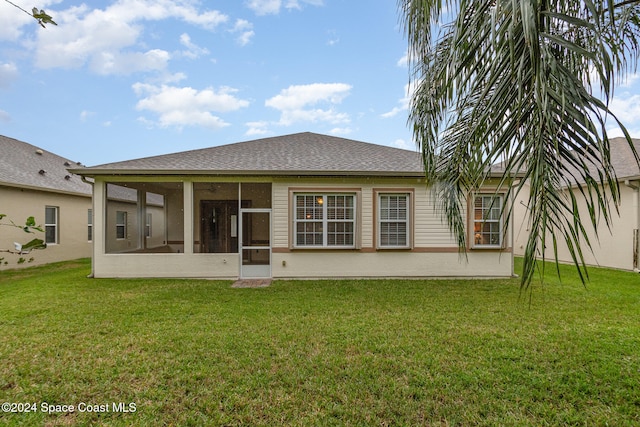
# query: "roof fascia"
[[45, 189], [164, 172]]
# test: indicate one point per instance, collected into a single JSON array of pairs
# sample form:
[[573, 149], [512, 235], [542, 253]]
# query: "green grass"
[[387, 352]]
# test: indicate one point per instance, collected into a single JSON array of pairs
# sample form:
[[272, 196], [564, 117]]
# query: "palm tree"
[[525, 82]]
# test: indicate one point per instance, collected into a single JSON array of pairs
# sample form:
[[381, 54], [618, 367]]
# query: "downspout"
[[93, 210], [636, 232]]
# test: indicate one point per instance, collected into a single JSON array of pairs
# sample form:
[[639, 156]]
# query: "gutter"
[[636, 232], [284, 173]]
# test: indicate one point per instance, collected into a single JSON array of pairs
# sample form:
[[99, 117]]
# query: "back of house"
[[294, 206]]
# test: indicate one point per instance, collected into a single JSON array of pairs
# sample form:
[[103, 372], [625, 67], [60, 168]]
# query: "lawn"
[[387, 352]]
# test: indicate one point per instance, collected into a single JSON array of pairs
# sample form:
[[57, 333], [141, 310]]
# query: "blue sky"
[[117, 80]]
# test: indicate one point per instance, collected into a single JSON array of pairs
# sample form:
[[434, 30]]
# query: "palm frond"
[[517, 81]]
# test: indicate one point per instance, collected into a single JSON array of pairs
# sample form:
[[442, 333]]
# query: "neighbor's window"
[[51, 214], [393, 220], [325, 220], [121, 224], [90, 225], [487, 221], [147, 226]]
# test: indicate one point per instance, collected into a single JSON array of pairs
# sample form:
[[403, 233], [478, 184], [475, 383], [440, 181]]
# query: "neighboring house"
[[35, 182], [296, 206], [615, 248]]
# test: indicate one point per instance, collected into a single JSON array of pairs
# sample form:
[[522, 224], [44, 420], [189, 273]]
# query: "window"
[[325, 220], [487, 221], [90, 224], [51, 224], [147, 226], [393, 220], [121, 224]]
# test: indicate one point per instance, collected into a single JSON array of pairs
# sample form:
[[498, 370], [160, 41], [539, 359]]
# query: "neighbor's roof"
[[622, 158], [27, 166], [297, 154]]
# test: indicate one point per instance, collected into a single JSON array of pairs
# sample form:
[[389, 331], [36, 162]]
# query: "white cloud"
[[294, 103], [340, 131], [627, 110], [403, 62], [108, 39], [166, 78], [257, 128], [129, 62], [193, 51], [14, 20], [272, 7], [298, 96], [185, 106], [393, 112], [245, 28], [264, 7], [630, 80], [8, 73], [295, 4], [403, 103]]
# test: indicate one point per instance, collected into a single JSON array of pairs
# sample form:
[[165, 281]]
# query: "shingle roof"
[[25, 165], [622, 158], [297, 154]]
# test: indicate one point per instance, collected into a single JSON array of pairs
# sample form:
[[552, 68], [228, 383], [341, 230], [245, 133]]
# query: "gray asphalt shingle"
[[297, 153], [25, 165]]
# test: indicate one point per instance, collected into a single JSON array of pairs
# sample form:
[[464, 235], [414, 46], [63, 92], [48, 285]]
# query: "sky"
[[118, 80]]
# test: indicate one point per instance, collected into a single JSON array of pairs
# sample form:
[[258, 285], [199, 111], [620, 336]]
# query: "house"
[[295, 206], [614, 248], [35, 182]]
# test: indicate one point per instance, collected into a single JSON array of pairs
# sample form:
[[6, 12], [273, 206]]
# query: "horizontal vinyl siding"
[[366, 217], [429, 231], [280, 215]]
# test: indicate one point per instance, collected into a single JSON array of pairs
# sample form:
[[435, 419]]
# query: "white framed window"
[[147, 226], [121, 224], [90, 225], [325, 220], [487, 221], [394, 225], [51, 221]]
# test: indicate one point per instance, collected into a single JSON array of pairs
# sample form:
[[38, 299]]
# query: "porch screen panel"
[[143, 217]]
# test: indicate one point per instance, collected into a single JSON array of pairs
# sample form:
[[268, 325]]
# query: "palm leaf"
[[516, 81]]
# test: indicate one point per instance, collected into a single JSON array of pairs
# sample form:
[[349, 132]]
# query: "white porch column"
[[188, 216], [142, 218], [99, 218]]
